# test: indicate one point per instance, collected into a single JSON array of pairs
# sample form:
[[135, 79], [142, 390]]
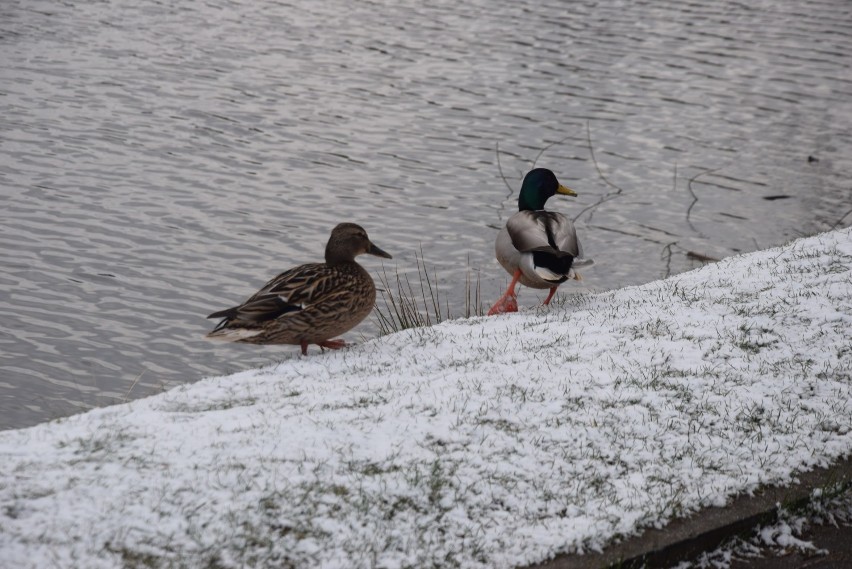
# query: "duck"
[[539, 248], [311, 303]]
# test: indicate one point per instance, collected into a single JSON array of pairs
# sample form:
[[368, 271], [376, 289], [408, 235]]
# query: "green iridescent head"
[[539, 186]]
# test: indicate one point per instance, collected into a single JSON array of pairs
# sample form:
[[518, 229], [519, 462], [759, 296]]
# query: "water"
[[160, 162]]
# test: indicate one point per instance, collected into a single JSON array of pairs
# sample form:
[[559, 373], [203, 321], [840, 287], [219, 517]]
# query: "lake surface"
[[159, 162]]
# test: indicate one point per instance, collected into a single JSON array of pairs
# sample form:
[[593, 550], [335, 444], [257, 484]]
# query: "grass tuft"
[[405, 305]]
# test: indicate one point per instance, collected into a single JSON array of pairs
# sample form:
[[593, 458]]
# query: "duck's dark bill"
[[378, 252]]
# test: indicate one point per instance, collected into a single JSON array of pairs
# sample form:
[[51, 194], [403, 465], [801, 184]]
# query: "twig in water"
[[695, 197], [500, 168], [842, 217], [667, 256], [595, 160], [606, 197], [505, 181], [674, 180], [543, 150]]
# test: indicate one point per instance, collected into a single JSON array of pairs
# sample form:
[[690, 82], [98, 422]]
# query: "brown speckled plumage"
[[309, 304]]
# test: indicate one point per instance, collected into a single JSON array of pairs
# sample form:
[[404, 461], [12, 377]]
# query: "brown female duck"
[[309, 304]]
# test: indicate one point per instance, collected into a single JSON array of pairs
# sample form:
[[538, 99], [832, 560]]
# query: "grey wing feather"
[[543, 231]]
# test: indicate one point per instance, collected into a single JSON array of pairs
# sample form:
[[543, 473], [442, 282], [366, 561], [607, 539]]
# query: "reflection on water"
[[163, 162]]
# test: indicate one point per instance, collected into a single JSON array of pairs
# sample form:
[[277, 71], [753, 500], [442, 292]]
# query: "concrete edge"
[[685, 538]]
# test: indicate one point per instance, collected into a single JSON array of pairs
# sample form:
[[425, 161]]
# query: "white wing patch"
[[232, 334], [547, 274]]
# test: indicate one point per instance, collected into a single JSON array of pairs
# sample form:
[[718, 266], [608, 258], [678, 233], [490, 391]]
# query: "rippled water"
[[160, 162]]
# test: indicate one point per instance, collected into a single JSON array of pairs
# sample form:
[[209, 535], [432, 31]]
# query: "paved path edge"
[[685, 538]]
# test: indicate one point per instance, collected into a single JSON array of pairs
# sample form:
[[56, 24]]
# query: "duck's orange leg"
[[509, 301], [549, 296], [332, 344]]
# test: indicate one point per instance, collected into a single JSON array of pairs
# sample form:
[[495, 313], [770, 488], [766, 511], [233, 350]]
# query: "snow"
[[486, 442]]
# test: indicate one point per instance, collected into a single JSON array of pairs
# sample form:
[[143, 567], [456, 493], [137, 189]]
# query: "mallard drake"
[[309, 304], [538, 248]]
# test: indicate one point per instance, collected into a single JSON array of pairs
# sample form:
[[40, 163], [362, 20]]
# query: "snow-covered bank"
[[476, 443]]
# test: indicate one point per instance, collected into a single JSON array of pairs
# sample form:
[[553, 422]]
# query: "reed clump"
[[407, 305]]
